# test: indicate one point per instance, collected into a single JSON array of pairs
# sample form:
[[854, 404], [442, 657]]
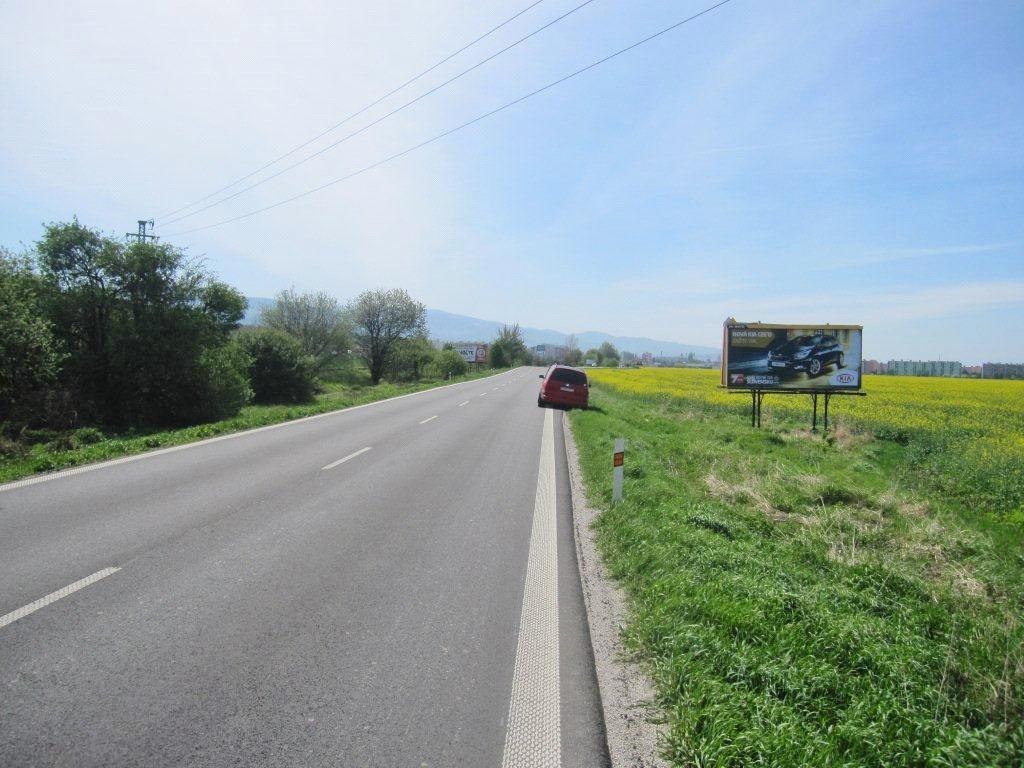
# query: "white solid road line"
[[431, 418], [54, 596], [333, 464], [534, 738], [464, 402], [14, 484]]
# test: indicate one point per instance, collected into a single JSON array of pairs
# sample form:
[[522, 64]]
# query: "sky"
[[770, 161]]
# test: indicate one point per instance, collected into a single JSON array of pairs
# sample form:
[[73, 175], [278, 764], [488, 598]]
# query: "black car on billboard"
[[809, 354]]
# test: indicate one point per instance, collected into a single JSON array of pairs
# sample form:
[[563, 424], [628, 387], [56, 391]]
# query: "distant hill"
[[445, 326]]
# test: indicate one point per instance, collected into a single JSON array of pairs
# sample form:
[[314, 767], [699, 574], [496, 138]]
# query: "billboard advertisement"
[[472, 353], [811, 357]]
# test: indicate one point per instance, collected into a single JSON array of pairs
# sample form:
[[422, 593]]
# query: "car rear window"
[[569, 376]]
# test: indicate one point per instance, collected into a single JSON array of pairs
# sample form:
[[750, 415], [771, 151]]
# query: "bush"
[[222, 378], [409, 359], [89, 435], [446, 363], [279, 372]]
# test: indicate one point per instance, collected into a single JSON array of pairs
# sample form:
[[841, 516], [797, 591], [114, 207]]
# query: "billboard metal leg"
[[760, 397], [753, 408], [814, 412], [828, 396]]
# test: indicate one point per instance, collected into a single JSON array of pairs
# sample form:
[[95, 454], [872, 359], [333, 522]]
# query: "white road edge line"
[[42, 602], [534, 737], [464, 402], [429, 418], [14, 484], [361, 451]]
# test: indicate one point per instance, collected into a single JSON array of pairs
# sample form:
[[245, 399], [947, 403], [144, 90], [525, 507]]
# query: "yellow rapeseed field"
[[965, 435]]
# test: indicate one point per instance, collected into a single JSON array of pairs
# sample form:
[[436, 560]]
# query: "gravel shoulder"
[[626, 692]]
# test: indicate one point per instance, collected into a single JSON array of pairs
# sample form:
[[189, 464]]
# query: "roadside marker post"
[[618, 459]]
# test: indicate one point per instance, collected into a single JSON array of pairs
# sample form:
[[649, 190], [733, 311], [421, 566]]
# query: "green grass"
[[797, 601], [46, 451]]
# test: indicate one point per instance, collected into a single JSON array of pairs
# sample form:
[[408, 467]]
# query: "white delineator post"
[[618, 459]]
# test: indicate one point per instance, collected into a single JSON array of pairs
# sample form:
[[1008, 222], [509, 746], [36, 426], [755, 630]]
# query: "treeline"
[[93, 331], [97, 333]]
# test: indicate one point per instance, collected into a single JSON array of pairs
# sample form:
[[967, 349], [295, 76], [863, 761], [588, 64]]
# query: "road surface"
[[392, 585]]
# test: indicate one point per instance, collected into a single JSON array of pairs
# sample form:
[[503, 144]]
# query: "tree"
[[509, 349], [144, 327], [221, 385], [279, 371], [628, 358], [409, 359], [593, 354], [316, 320], [381, 319], [608, 352], [73, 261], [447, 363], [30, 356], [573, 355]]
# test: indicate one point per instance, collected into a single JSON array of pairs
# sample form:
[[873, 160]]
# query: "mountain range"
[[445, 326]]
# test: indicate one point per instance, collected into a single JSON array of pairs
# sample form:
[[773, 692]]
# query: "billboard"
[[770, 356], [472, 353]]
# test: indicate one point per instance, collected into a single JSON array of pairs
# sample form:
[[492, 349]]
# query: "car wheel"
[[814, 367]]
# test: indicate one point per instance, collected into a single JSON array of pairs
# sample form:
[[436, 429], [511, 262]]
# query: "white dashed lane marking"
[[361, 451], [431, 418], [534, 738], [464, 402], [15, 484], [54, 596]]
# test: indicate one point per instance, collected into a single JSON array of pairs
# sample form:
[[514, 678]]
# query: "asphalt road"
[[417, 604]]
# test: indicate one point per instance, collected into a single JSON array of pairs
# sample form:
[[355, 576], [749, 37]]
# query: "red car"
[[563, 386]]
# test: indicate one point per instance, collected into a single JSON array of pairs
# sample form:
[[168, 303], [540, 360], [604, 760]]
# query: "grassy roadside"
[[797, 601], [88, 445]]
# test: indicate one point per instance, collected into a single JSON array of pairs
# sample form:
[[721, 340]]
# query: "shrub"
[[88, 435], [409, 359], [446, 363], [279, 372], [222, 380]]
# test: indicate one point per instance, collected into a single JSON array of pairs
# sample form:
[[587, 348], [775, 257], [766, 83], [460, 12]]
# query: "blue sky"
[[776, 161]]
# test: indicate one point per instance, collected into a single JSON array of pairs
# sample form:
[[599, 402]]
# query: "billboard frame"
[[732, 323], [757, 393]]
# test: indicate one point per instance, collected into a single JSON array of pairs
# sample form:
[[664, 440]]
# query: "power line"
[[372, 104], [457, 128], [380, 119]]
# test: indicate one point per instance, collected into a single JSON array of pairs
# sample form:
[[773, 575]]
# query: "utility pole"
[[141, 236]]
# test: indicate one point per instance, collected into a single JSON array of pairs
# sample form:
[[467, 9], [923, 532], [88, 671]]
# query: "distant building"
[[646, 358], [947, 368], [551, 353], [973, 371], [1002, 371], [874, 366]]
